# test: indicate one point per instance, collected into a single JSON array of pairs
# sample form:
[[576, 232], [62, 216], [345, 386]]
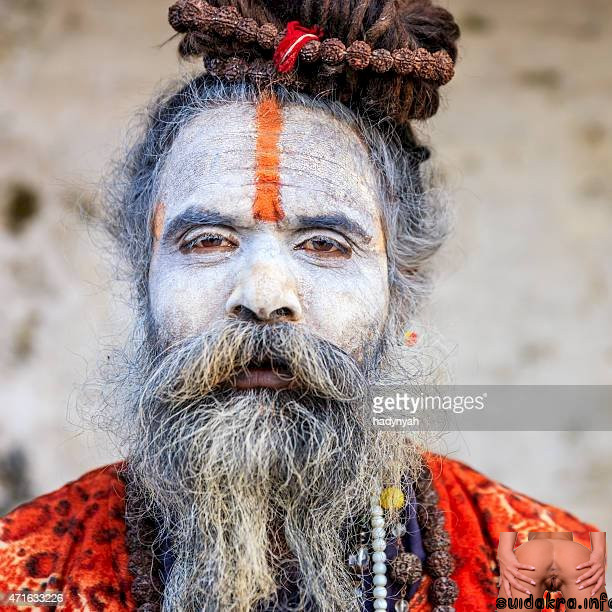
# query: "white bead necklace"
[[379, 543]]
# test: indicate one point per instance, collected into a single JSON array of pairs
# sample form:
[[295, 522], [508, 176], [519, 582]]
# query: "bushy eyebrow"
[[193, 217], [334, 221]]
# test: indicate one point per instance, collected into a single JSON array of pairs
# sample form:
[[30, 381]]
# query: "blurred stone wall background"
[[523, 142]]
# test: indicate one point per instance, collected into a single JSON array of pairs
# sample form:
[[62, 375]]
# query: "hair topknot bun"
[[386, 58]]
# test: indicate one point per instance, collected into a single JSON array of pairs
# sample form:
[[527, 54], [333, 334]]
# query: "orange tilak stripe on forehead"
[[269, 122]]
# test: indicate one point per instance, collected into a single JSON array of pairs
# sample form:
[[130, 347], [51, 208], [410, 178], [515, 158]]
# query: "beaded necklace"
[[369, 561]]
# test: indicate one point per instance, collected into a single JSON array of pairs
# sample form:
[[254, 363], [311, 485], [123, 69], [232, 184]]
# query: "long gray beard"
[[258, 488]]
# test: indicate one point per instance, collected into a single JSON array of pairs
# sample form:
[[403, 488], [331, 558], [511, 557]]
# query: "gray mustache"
[[210, 362]]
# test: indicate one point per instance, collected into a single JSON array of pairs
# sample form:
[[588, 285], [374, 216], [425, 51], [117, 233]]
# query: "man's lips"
[[262, 377]]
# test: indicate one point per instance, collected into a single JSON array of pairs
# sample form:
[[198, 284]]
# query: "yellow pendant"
[[392, 497]]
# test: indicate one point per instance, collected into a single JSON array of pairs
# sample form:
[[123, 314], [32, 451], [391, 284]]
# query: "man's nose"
[[265, 293]]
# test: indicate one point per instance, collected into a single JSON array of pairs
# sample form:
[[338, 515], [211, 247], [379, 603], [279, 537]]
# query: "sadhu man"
[[278, 233]]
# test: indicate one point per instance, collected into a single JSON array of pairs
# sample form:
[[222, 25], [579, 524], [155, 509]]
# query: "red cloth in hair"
[[297, 36]]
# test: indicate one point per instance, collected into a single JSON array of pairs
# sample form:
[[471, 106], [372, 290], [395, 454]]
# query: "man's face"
[[269, 215], [269, 259]]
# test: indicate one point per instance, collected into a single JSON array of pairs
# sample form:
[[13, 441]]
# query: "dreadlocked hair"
[[385, 58]]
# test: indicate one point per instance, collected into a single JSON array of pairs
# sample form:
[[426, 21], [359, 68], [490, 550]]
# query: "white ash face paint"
[[326, 176]]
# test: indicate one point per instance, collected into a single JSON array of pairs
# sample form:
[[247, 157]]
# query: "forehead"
[[322, 166]]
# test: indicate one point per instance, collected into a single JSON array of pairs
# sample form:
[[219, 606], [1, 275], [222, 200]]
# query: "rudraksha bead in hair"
[[207, 17], [420, 60], [311, 52], [358, 55], [402, 60], [225, 20], [436, 540], [444, 591], [175, 18], [266, 35], [440, 563], [235, 68], [406, 568], [246, 30], [445, 66], [333, 51], [187, 15], [381, 60], [429, 68]]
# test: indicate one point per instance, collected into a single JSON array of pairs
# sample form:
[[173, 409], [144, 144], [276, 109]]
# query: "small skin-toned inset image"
[[552, 566]]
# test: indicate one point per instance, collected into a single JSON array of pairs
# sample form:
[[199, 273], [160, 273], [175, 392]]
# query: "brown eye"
[[326, 247], [208, 242]]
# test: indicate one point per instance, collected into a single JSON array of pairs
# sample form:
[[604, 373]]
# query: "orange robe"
[[73, 540]]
